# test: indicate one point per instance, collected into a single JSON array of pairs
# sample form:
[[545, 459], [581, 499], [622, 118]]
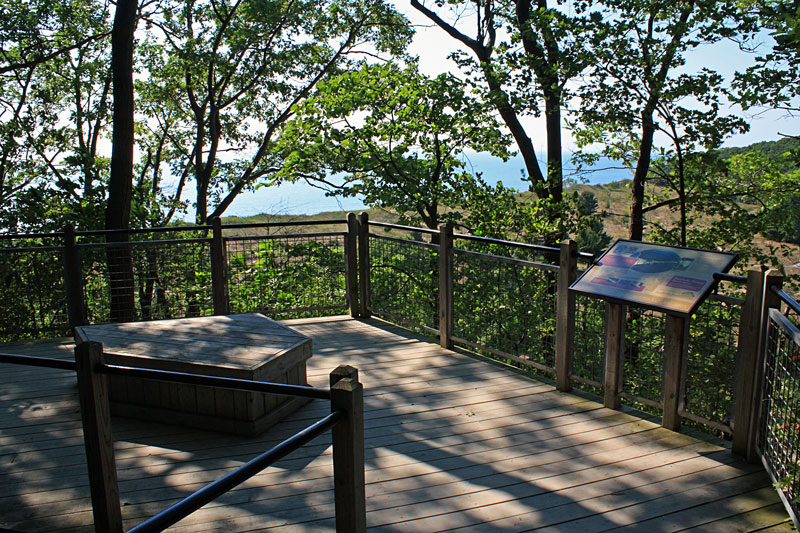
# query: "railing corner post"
[[446, 285], [363, 265], [98, 439], [351, 265], [749, 359], [565, 314], [769, 300], [219, 279], [76, 310], [347, 394]]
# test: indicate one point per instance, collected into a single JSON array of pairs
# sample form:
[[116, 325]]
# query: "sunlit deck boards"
[[452, 442]]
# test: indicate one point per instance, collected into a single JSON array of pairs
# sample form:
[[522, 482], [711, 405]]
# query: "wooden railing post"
[[363, 265], [676, 342], [76, 310], [749, 358], [98, 441], [773, 278], [565, 315], [446, 285], [615, 350], [219, 279], [348, 451], [351, 265]]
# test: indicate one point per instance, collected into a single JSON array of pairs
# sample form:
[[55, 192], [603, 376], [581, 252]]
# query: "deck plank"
[[452, 443]]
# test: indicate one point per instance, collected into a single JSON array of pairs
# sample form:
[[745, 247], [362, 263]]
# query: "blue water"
[[303, 199]]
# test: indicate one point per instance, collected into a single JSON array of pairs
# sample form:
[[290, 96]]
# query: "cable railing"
[[346, 420], [510, 301], [287, 275], [779, 429], [53, 282], [506, 300], [403, 274]]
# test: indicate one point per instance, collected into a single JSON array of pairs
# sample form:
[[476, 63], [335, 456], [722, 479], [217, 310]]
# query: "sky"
[[433, 46]]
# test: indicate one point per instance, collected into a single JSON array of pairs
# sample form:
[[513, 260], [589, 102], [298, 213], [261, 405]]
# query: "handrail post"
[[676, 342], [76, 311], [749, 359], [348, 451], [363, 265], [351, 265], [565, 314], [615, 350], [98, 440], [446, 285], [219, 281]]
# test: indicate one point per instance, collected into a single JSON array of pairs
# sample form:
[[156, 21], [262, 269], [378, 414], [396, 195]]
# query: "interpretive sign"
[[665, 278]]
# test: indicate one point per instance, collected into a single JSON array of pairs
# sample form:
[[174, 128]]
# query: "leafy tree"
[[591, 235], [522, 53], [38, 31], [224, 76], [774, 80], [789, 229], [53, 103], [636, 93], [396, 136], [738, 199], [502, 213]]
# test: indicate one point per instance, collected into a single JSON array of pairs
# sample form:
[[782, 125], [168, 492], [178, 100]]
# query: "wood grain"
[[451, 442]]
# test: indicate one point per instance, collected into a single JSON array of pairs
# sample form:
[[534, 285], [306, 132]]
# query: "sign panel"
[[656, 276]]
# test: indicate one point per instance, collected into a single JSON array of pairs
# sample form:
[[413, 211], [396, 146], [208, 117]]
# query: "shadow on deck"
[[451, 442]]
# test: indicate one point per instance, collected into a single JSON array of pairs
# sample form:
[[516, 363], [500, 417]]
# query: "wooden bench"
[[248, 346]]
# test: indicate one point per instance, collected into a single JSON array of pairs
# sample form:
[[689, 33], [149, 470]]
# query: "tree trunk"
[[483, 52], [118, 208], [554, 166], [542, 48], [538, 182], [682, 194], [636, 228]]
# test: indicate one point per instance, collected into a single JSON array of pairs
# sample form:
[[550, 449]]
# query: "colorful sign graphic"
[[665, 278]]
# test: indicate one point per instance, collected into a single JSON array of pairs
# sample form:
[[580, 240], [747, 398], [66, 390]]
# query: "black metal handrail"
[[282, 236], [167, 229], [405, 241], [217, 488], [135, 244], [724, 276], [403, 228], [250, 225], [515, 244], [43, 362], [216, 381], [12, 236], [510, 260], [133, 231], [29, 249], [304, 391], [786, 298]]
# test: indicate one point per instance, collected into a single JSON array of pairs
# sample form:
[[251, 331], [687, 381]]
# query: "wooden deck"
[[452, 442]]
